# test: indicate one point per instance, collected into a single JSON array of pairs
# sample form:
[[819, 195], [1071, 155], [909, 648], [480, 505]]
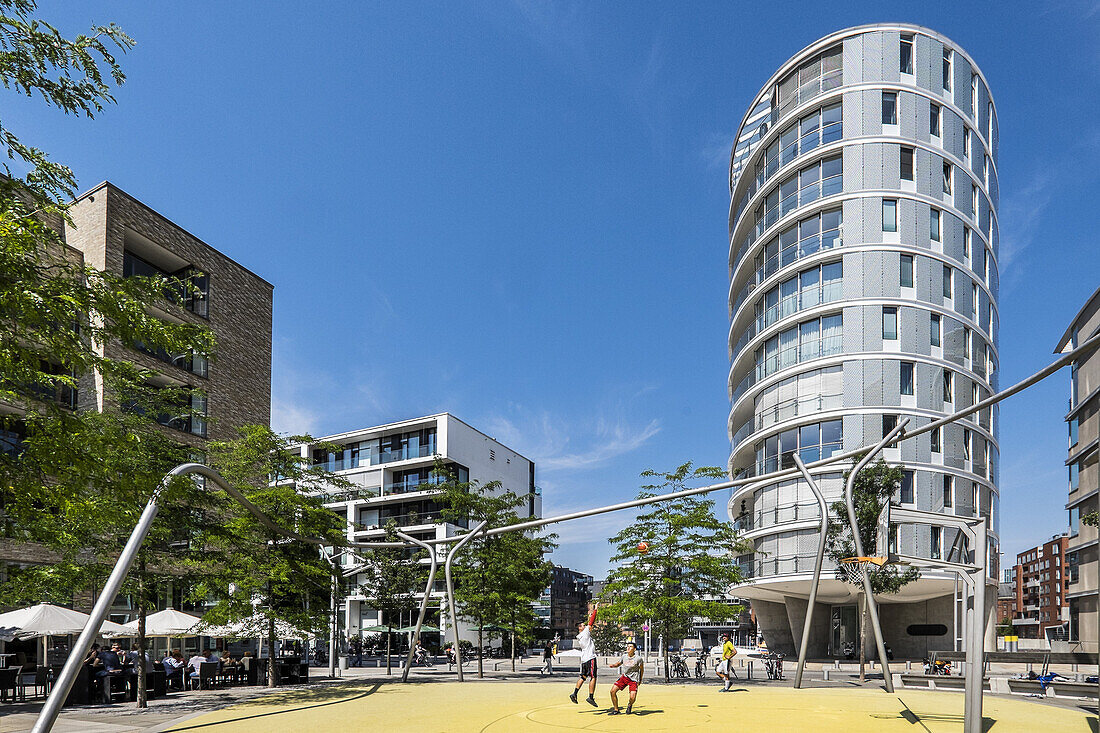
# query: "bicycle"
[[773, 665], [679, 667], [700, 667]]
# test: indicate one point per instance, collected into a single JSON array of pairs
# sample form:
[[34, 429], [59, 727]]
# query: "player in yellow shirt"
[[725, 667]]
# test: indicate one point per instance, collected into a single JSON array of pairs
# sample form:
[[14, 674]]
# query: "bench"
[[937, 681]]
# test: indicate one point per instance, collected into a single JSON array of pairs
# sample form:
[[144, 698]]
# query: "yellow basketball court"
[[498, 706]]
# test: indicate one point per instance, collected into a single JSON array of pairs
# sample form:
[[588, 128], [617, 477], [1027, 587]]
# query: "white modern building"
[[863, 290], [391, 469]]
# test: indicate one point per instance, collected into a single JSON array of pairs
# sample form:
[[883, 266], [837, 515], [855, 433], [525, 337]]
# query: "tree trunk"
[[388, 650], [862, 637], [272, 667], [513, 640], [142, 694], [480, 645]]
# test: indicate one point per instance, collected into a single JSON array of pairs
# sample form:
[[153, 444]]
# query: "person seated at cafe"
[[91, 659], [173, 668], [112, 667], [194, 664], [133, 657]]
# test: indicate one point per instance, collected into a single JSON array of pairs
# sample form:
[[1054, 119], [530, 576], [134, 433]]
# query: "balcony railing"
[[790, 565], [792, 408], [788, 306]]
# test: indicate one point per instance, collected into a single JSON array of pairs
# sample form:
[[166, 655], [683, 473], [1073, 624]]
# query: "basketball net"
[[854, 568]]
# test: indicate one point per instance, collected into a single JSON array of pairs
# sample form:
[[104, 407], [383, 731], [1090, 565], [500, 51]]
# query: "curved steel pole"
[[423, 602], [872, 607], [804, 643], [451, 592], [64, 684]]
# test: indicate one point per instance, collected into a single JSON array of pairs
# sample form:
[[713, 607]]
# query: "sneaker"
[[612, 712], [628, 707], [591, 701], [573, 697]]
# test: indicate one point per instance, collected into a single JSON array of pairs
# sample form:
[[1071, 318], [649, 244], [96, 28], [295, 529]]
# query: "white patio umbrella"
[[45, 620], [168, 623]]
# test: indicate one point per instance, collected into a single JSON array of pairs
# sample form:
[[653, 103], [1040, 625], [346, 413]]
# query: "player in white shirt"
[[588, 658]]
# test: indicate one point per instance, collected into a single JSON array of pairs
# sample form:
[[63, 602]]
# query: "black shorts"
[[588, 669]]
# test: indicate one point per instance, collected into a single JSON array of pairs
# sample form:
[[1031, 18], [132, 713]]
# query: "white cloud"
[[287, 416], [548, 441], [1021, 215]]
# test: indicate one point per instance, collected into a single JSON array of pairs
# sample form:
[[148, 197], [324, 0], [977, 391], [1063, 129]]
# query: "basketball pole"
[[803, 644], [872, 607]]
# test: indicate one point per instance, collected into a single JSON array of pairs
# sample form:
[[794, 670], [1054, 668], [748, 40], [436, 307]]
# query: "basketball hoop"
[[854, 568]]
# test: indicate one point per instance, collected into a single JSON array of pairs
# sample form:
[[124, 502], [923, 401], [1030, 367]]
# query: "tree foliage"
[[497, 578], [689, 564], [873, 488], [393, 577], [266, 576]]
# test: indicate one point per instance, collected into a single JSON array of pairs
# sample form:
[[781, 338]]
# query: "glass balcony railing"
[[788, 306], [794, 407], [810, 348]]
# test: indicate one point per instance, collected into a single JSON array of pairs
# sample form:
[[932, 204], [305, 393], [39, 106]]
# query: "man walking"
[[588, 658], [547, 659], [725, 667], [631, 666]]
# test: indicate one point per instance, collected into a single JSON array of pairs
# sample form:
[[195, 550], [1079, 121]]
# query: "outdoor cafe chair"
[[8, 683]]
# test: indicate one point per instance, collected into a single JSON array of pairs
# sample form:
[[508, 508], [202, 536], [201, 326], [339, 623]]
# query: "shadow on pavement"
[[328, 696]]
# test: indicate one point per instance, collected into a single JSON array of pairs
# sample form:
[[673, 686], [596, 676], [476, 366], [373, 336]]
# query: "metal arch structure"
[[451, 592], [804, 642], [50, 710]]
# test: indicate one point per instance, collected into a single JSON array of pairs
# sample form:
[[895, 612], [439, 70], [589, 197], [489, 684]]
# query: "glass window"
[[831, 124], [937, 542], [934, 329], [832, 175], [906, 164], [947, 69], [934, 439], [948, 386], [966, 143], [810, 179], [967, 440], [934, 115], [974, 95], [906, 487], [1074, 476], [907, 377], [889, 422], [1073, 425], [890, 323], [948, 493], [934, 225], [966, 242], [810, 131], [889, 108], [947, 291], [788, 195], [830, 228], [788, 145], [889, 215], [906, 66], [946, 177], [907, 271]]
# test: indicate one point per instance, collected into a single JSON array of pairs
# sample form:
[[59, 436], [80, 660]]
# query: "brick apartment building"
[[1041, 579], [112, 231], [565, 602], [1006, 596]]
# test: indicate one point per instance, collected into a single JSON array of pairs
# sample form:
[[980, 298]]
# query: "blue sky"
[[516, 211]]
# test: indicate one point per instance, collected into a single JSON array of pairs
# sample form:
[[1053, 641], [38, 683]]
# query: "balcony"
[[783, 514], [790, 565]]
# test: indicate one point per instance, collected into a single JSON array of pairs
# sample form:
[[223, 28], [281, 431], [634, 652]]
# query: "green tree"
[[874, 486], [393, 578], [497, 578], [688, 566], [266, 575], [1091, 519], [608, 638]]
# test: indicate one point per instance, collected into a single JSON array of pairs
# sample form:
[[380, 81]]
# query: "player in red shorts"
[[632, 668]]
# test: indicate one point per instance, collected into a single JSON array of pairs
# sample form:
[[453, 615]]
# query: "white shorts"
[[723, 667]]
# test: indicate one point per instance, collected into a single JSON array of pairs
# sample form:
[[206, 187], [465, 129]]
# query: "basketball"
[[643, 547]]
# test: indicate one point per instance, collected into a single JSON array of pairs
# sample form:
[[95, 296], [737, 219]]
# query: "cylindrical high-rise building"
[[863, 289]]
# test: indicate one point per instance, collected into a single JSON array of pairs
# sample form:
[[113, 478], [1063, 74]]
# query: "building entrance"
[[845, 631]]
